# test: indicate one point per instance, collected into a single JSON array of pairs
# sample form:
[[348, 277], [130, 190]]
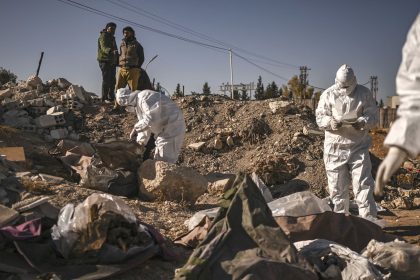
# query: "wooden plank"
[[13, 153]]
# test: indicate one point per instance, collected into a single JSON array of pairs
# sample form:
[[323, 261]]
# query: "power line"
[[262, 68], [157, 18], [104, 14]]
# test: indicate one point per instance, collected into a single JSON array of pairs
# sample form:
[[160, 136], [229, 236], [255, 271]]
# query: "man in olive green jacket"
[[108, 59], [130, 60]]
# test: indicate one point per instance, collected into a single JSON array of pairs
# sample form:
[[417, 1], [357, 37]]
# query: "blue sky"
[[323, 34]]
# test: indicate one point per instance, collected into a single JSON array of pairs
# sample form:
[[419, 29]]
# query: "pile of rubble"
[[51, 110], [277, 141]]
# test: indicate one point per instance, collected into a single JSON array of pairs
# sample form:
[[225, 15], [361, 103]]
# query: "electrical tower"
[[303, 79], [374, 86]]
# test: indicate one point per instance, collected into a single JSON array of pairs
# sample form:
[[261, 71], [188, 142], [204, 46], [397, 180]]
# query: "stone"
[[7, 93], [197, 146], [167, 181], [219, 182], [59, 133], [218, 144], [229, 141], [33, 81], [275, 106]]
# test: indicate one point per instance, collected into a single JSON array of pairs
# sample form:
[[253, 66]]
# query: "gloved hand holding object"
[[335, 125], [389, 165]]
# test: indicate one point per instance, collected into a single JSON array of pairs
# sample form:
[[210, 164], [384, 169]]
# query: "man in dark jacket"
[[130, 60], [108, 59]]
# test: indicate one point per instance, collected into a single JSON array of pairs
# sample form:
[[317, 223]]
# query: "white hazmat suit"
[[346, 111], [404, 135], [159, 115]]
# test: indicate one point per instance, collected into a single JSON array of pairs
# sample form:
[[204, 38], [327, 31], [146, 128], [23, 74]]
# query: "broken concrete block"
[[51, 120], [15, 113], [78, 92], [7, 215], [28, 128], [197, 146], [275, 106], [55, 109], [33, 81], [7, 93], [59, 133], [167, 181], [63, 83], [72, 104], [38, 110], [38, 102]]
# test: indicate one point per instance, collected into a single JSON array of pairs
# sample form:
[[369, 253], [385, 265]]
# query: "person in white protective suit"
[[346, 111], [404, 135], [159, 115]]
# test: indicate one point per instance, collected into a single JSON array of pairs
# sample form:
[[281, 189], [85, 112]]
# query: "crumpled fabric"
[[346, 150], [27, 230], [405, 132], [334, 261], [244, 242], [159, 115]]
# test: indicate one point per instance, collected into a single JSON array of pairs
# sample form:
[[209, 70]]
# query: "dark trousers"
[[108, 80]]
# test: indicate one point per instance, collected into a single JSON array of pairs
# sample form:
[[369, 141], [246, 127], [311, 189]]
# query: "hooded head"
[[345, 80], [125, 97]]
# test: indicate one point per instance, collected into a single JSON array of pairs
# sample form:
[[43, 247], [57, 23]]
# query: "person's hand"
[[389, 165], [133, 134], [335, 125], [359, 124]]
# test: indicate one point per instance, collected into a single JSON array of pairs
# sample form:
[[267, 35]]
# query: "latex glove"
[[389, 165], [133, 134], [359, 124], [335, 125]]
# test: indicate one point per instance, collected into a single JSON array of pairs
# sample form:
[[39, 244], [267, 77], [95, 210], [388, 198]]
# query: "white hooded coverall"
[[346, 150], [159, 115], [405, 132]]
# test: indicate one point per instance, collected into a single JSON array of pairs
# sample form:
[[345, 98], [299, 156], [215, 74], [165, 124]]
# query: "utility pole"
[[374, 86], [303, 79], [39, 63], [231, 74]]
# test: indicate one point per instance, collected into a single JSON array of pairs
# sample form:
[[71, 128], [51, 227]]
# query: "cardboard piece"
[[13, 153]]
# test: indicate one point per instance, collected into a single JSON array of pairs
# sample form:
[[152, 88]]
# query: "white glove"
[[359, 124], [389, 165], [335, 125], [133, 134]]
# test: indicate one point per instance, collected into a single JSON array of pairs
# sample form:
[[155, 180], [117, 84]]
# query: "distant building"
[[393, 101]]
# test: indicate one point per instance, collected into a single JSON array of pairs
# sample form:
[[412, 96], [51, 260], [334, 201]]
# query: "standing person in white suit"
[[156, 114], [346, 111], [404, 135]]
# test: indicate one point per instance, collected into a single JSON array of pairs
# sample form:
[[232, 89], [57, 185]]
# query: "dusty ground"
[[272, 145]]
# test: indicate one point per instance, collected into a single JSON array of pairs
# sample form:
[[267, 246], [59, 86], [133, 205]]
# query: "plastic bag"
[[298, 204]]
